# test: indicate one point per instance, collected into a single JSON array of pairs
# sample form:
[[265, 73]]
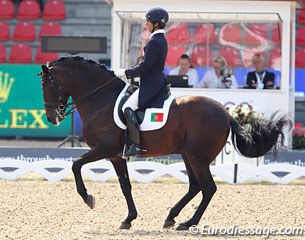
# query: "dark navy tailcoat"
[[151, 72]]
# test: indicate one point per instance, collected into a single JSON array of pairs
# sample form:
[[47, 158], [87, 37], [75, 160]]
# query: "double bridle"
[[59, 107]]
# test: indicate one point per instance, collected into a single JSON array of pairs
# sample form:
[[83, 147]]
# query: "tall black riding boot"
[[133, 128]]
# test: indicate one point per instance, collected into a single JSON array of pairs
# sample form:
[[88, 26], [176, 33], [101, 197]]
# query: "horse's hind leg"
[[194, 188], [120, 167], [208, 188]]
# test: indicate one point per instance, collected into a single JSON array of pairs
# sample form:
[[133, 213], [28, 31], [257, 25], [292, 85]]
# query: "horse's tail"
[[261, 136]]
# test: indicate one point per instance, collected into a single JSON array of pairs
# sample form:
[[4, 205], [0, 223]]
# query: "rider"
[[151, 71]]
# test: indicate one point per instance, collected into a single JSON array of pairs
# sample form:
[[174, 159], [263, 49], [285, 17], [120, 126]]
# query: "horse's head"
[[55, 97], [77, 77]]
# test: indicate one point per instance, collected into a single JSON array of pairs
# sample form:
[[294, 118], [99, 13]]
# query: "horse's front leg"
[[92, 155], [120, 167]]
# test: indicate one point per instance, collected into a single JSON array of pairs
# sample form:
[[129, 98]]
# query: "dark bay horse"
[[197, 128]]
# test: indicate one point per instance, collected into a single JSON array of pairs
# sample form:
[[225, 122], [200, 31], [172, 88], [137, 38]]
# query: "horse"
[[197, 128]]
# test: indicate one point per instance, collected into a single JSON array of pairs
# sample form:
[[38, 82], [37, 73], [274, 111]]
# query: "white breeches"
[[132, 101]]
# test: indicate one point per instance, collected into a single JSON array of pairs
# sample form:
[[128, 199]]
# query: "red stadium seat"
[[178, 34], [24, 31], [301, 16], [300, 58], [173, 55], [231, 55], [49, 28], [2, 53], [300, 39], [204, 33], [28, 9], [20, 53], [275, 58], [7, 9], [54, 10], [230, 33], [201, 56], [255, 33], [44, 57], [276, 34], [4, 31]]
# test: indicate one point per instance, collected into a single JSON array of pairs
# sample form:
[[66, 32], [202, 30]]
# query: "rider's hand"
[[120, 72]]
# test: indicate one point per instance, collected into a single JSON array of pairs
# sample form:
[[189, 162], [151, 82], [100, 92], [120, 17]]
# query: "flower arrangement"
[[244, 114], [298, 136]]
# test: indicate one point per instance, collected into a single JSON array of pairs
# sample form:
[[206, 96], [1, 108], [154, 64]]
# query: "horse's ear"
[[45, 69]]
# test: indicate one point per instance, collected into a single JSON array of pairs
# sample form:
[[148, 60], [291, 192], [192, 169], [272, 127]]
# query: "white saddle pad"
[[154, 118]]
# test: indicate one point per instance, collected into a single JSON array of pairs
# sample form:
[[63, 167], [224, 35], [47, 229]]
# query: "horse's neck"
[[102, 102]]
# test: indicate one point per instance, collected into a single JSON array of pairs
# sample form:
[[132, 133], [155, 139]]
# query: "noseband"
[[59, 107]]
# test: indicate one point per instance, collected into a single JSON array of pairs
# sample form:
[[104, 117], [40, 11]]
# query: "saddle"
[[150, 118], [140, 113]]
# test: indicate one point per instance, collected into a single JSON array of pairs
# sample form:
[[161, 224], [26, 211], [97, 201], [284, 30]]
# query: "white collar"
[[156, 32]]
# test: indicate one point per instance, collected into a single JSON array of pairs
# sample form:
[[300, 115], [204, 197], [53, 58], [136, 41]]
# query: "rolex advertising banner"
[[21, 104]]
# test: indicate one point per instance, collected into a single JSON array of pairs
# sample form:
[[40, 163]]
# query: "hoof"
[[168, 223], [182, 227], [90, 201], [125, 225]]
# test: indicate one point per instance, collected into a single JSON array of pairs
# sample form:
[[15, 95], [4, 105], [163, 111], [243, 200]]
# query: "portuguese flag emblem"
[[156, 117]]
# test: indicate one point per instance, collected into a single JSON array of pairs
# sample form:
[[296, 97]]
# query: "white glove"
[[120, 72]]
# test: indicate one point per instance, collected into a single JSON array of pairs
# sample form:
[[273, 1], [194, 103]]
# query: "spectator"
[[220, 76], [260, 78], [185, 68]]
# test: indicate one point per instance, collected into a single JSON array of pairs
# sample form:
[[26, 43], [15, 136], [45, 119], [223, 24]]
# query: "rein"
[[60, 107]]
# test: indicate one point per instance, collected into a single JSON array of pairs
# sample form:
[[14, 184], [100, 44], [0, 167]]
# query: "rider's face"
[[149, 25]]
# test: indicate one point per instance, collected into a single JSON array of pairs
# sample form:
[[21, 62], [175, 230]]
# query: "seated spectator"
[[260, 78], [220, 76], [185, 68]]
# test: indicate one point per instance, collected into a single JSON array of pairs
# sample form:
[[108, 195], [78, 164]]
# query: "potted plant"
[[298, 136], [244, 114]]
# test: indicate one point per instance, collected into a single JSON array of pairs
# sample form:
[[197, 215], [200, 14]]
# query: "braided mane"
[[78, 59]]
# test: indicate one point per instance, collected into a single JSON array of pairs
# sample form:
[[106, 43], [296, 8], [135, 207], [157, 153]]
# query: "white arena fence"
[[103, 170]]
